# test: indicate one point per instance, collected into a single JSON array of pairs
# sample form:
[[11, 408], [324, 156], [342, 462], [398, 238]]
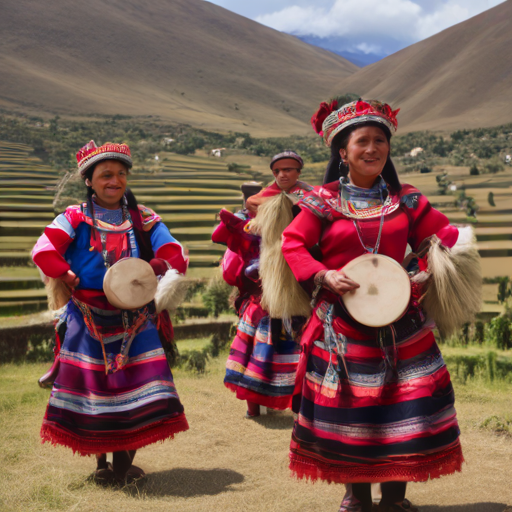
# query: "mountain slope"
[[183, 60], [461, 77]]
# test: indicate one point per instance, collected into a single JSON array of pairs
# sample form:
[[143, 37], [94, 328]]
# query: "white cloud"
[[403, 20], [368, 48]]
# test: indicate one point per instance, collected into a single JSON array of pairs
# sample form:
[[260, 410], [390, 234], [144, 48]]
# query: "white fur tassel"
[[171, 291], [454, 291], [282, 295]]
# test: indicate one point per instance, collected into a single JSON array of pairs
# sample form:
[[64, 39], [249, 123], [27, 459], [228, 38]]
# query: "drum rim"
[[366, 256]]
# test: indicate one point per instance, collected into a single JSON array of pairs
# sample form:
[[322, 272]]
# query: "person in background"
[[264, 354]]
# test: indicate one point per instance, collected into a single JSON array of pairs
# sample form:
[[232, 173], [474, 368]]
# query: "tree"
[[473, 171], [216, 297], [504, 289], [494, 167]]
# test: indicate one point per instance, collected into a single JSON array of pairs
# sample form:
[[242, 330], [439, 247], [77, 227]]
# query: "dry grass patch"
[[224, 462]]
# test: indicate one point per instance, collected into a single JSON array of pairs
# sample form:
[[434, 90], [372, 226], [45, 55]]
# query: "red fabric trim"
[[408, 469], [48, 252], [273, 402], [133, 440], [94, 298], [173, 253]]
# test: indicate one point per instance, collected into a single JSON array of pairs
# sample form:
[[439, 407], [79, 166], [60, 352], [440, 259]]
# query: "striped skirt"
[[93, 412], [373, 413], [262, 361]]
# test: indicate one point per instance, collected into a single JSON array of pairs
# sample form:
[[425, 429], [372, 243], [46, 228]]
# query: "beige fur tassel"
[[58, 293], [282, 296], [454, 290]]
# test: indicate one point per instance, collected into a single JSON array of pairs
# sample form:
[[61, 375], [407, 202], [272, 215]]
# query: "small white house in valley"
[[415, 152], [217, 152]]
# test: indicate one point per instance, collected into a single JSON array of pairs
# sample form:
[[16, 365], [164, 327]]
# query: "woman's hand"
[[337, 282], [70, 279]]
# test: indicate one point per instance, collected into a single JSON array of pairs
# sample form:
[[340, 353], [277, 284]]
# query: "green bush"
[[479, 332], [487, 367], [499, 331], [40, 349], [195, 287], [494, 167], [217, 344], [194, 360], [216, 297], [504, 289], [473, 171]]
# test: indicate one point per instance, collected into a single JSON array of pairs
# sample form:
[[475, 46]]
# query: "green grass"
[[195, 344], [480, 365]]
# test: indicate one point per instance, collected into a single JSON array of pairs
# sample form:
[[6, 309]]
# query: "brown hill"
[[461, 77], [183, 60]]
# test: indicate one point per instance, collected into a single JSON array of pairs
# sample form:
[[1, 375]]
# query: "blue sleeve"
[[160, 235]]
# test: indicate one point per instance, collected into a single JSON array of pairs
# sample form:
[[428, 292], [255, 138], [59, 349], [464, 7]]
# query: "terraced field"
[[186, 191], [493, 226]]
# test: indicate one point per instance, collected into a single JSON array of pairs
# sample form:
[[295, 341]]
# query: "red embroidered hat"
[[91, 154], [329, 120]]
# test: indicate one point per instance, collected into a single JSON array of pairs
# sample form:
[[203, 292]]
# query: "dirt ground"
[[224, 462]]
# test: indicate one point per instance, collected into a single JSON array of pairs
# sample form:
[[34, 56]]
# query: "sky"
[[376, 27]]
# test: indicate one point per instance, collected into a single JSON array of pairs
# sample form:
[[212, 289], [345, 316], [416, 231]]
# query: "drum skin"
[[130, 283], [384, 293]]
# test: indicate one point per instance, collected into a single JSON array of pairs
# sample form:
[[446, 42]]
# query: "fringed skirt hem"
[[272, 402], [409, 469], [112, 442]]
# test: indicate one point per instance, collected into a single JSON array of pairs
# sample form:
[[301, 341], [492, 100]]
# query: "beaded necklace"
[[360, 203], [103, 218]]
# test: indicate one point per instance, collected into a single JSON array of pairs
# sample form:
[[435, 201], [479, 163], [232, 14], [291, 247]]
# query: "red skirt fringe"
[[113, 441], [272, 402], [409, 469]]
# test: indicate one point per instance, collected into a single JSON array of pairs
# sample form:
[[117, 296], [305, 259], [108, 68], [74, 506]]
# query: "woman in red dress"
[[376, 404]]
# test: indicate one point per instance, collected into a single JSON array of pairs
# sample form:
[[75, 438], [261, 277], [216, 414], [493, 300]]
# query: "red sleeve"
[[426, 220], [302, 234], [48, 253]]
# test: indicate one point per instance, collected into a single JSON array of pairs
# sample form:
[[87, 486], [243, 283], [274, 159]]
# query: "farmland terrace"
[[188, 191]]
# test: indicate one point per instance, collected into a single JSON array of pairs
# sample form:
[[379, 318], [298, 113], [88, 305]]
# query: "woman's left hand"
[[337, 282]]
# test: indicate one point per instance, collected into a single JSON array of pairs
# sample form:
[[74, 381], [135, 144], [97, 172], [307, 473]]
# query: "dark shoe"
[[104, 476], [134, 474], [407, 505]]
